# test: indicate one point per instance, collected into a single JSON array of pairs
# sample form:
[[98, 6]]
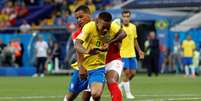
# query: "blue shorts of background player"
[[187, 60], [130, 63], [94, 76]]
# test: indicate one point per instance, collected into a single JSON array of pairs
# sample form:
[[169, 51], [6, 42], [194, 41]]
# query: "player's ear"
[[96, 20]]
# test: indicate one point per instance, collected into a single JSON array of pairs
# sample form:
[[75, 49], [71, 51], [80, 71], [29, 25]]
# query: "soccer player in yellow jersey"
[[127, 52], [92, 42], [82, 14], [188, 47]]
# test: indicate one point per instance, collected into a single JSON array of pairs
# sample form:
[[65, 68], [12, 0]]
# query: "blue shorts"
[[76, 85], [187, 60], [130, 63], [96, 76]]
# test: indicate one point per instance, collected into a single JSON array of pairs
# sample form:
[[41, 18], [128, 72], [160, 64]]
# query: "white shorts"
[[116, 65]]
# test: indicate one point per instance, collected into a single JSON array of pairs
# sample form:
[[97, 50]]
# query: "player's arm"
[[137, 47], [119, 36], [82, 70], [80, 49]]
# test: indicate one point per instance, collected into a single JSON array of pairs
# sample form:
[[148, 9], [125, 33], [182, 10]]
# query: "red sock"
[[115, 92]]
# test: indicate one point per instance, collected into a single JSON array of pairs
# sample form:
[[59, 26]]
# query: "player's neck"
[[126, 24]]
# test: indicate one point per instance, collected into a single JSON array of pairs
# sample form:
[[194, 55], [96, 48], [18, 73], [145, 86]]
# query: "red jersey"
[[113, 53], [74, 35]]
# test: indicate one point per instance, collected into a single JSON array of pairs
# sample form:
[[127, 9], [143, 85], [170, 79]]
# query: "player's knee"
[[112, 80], [96, 94], [132, 74]]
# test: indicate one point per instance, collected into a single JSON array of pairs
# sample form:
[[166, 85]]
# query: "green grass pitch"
[[52, 88]]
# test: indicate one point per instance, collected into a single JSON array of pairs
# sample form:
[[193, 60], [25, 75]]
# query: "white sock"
[[65, 98], [193, 71], [126, 86], [186, 70]]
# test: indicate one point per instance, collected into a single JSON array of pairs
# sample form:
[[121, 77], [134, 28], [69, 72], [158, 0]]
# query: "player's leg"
[[186, 67], [86, 95], [75, 86], [96, 82], [155, 65], [192, 67], [129, 73], [113, 72], [37, 67]]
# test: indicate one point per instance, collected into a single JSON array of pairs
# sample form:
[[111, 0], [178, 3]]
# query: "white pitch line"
[[168, 95], [184, 99], [30, 97]]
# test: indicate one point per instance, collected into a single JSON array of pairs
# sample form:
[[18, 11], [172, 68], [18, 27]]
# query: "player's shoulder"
[[132, 25], [91, 23], [193, 42], [117, 21]]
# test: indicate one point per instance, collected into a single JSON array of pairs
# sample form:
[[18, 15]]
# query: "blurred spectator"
[[18, 49], [9, 9], [91, 6], [188, 46], [19, 57], [4, 18], [59, 21], [21, 10], [153, 57], [146, 51], [56, 56], [177, 54], [25, 27], [41, 48], [73, 6], [167, 65], [2, 46], [8, 55]]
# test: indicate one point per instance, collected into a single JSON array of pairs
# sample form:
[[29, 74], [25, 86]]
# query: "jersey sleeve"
[[115, 27], [84, 34], [193, 45]]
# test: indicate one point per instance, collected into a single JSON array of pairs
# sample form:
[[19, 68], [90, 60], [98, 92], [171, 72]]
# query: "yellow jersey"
[[127, 47], [91, 39], [188, 47]]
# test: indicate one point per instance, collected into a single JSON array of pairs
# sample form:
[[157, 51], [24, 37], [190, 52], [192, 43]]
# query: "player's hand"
[[104, 48], [141, 54], [93, 51], [82, 73]]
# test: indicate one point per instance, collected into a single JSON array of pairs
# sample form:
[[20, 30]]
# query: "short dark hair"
[[126, 11], [83, 8], [106, 16]]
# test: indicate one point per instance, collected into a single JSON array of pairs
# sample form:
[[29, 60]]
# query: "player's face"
[[189, 38], [103, 26], [126, 18], [82, 18]]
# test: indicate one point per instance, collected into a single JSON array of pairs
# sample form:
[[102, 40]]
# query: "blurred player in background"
[[128, 52], [188, 47]]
